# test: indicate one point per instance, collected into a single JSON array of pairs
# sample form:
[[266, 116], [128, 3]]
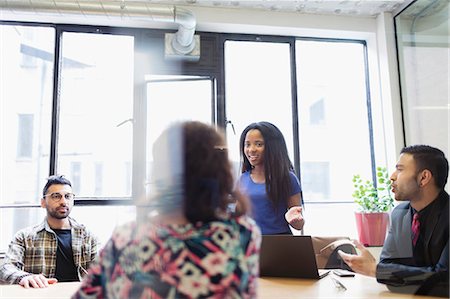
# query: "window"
[[258, 88], [25, 138], [316, 172], [117, 93], [332, 92], [334, 71], [332, 108], [190, 99], [99, 178], [25, 107], [100, 130], [96, 99], [26, 82], [317, 112], [75, 176]]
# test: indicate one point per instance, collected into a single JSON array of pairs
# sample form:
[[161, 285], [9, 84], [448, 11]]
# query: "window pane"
[[26, 86], [333, 119], [14, 219], [25, 136], [424, 59], [111, 217], [175, 98], [258, 88], [330, 219], [95, 138]]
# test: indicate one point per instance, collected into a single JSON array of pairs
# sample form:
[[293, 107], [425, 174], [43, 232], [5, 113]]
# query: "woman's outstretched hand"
[[294, 217]]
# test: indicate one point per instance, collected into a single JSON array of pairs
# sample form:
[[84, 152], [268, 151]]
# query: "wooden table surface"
[[356, 287], [268, 288]]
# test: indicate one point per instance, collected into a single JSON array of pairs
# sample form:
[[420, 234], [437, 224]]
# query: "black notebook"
[[288, 256]]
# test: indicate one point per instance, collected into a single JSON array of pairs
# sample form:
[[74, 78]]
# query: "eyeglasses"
[[56, 196]]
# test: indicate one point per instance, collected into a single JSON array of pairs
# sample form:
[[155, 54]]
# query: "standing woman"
[[268, 179]]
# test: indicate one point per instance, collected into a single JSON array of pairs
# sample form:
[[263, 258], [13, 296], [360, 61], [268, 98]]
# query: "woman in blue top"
[[268, 179]]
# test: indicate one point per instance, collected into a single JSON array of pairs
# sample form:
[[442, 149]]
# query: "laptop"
[[288, 256]]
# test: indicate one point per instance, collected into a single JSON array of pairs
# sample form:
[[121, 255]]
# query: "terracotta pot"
[[372, 228]]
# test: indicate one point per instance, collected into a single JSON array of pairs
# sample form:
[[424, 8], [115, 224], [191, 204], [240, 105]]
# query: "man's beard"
[[57, 215], [407, 191]]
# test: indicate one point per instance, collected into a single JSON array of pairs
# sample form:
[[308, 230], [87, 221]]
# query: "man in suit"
[[416, 248]]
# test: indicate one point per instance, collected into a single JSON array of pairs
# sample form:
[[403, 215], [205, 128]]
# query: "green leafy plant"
[[371, 199]]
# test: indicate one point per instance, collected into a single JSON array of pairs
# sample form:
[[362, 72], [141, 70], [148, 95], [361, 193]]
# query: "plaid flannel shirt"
[[33, 251]]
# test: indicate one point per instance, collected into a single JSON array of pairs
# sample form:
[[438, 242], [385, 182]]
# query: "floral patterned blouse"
[[219, 259]]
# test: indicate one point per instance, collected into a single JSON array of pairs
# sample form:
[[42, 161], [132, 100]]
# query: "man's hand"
[[36, 281], [364, 263], [294, 217]]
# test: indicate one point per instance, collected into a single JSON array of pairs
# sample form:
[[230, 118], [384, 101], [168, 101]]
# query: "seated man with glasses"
[[58, 249]]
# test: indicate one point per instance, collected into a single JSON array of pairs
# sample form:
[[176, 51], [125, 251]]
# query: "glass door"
[[175, 98]]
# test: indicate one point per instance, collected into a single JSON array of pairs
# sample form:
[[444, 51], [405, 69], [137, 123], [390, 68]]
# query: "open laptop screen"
[[288, 256]]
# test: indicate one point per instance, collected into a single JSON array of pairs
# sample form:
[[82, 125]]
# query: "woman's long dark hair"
[[208, 179], [277, 164]]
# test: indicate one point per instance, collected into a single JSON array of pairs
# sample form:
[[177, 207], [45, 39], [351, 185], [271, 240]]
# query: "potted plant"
[[372, 219]]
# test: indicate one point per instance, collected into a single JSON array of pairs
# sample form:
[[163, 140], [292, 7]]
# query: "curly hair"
[[208, 184], [208, 179]]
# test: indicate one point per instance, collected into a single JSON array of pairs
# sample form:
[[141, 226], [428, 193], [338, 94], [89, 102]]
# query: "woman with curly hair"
[[186, 244]]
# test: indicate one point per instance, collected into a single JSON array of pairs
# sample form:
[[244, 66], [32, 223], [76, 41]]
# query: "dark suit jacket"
[[397, 266]]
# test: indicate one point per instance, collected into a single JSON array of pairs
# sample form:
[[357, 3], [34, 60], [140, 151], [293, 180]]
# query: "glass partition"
[[422, 31]]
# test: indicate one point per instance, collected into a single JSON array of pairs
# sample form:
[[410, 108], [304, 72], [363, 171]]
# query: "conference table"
[[359, 286], [268, 287]]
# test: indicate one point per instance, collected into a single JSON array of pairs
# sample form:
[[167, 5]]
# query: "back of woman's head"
[[208, 180]]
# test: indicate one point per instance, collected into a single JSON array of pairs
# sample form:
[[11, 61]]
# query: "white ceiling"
[[363, 8]]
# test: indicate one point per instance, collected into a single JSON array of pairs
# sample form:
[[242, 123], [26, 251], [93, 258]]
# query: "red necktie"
[[415, 228]]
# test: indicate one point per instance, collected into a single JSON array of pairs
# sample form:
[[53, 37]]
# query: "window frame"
[[290, 40], [213, 68]]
